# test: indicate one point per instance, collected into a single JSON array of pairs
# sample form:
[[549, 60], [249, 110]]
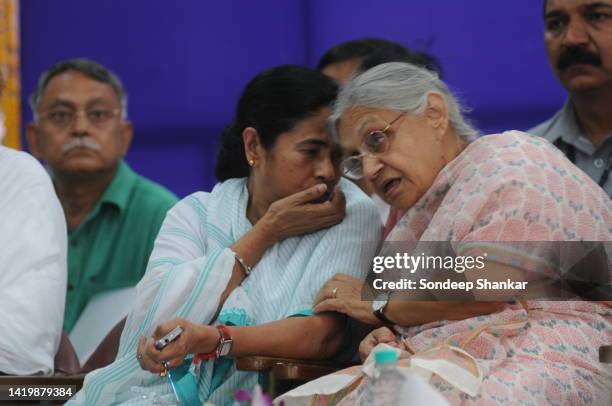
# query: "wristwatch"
[[225, 341], [378, 307]]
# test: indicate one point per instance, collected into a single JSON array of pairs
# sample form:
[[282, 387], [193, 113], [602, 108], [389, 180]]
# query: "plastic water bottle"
[[385, 388], [391, 387]]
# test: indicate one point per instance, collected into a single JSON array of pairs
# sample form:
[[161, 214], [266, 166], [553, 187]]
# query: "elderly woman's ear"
[[436, 113]]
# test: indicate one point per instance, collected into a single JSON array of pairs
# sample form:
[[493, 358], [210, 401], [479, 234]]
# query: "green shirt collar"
[[119, 190]]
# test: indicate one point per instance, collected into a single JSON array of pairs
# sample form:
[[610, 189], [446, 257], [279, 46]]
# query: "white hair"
[[402, 87]]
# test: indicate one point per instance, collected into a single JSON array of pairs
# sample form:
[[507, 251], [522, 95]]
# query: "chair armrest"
[[290, 369]]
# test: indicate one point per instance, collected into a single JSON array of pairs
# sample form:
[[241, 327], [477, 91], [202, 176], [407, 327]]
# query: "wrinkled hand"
[[195, 338], [378, 336], [297, 214], [342, 294]]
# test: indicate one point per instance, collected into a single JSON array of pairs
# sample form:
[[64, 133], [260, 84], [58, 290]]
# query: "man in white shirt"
[[32, 266]]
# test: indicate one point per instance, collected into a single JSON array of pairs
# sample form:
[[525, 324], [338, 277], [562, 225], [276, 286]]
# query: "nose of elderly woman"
[[371, 166]]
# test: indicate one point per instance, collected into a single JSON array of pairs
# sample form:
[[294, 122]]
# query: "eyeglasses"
[[373, 144], [64, 118]]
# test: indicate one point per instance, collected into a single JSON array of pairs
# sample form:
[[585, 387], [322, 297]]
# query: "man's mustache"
[[577, 55], [81, 142]]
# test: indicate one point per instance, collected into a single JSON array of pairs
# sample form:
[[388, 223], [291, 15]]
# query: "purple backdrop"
[[185, 63]]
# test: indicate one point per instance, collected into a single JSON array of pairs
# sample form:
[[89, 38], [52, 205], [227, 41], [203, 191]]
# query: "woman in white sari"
[[249, 256]]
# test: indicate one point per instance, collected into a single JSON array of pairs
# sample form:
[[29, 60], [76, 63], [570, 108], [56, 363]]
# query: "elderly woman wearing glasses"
[[403, 129]]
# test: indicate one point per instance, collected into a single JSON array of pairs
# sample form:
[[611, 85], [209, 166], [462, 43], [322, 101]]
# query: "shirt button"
[[599, 163], [74, 243]]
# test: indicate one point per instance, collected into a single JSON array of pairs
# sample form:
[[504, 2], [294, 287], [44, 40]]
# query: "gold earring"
[[251, 162]]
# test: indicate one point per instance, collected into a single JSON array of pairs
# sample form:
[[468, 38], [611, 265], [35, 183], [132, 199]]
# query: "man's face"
[[578, 39], [79, 128]]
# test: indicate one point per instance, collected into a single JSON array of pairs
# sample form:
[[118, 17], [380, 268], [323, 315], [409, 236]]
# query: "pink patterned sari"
[[515, 187]]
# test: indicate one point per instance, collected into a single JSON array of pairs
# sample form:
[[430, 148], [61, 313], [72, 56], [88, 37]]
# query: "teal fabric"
[[185, 384]]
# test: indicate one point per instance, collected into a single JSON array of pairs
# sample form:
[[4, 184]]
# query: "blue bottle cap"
[[385, 357]]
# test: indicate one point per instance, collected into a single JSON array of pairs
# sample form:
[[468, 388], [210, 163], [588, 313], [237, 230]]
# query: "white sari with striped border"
[[189, 268]]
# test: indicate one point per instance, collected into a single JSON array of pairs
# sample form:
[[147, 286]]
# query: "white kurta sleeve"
[[33, 269]]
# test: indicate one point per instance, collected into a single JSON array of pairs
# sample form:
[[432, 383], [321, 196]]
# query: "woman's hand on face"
[[342, 294], [378, 336], [195, 338], [298, 213]]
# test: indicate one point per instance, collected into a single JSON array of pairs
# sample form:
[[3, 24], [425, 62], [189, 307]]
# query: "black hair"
[[274, 102], [89, 68], [356, 49], [386, 55], [376, 51]]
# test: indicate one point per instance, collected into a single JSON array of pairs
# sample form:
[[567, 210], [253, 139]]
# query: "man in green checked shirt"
[[113, 214]]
